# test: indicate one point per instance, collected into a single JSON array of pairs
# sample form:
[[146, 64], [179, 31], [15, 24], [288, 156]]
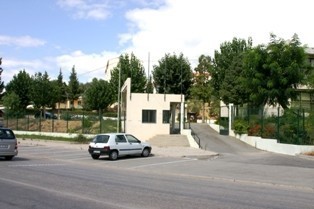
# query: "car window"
[[132, 139], [120, 139], [101, 139], [6, 134]]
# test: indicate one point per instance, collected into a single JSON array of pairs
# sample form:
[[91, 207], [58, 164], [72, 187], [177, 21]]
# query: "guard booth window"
[[148, 116], [165, 116]]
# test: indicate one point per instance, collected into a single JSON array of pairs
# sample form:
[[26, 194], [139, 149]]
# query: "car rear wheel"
[[113, 155], [146, 152], [8, 157], [95, 157]]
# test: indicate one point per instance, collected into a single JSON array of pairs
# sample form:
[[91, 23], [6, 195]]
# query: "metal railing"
[[66, 122], [290, 126]]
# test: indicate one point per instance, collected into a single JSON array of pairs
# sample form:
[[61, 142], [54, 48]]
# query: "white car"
[[117, 144], [8, 144]]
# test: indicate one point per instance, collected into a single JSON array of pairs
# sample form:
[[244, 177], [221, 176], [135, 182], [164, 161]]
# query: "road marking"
[[37, 165], [164, 163]]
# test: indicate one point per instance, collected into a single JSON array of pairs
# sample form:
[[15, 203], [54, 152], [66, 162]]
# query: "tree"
[[273, 72], [21, 85], [149, 85], [42, 91], [201, 89], [60, 88], [173, 75], [227, 80], [129, 67], [99, 95], [1, 82], [74, 86], [11, 102]]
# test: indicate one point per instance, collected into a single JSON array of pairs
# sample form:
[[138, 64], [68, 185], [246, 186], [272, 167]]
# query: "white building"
[[146, 115]]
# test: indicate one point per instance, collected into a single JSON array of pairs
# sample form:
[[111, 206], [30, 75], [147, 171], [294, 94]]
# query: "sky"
[[53, 35]]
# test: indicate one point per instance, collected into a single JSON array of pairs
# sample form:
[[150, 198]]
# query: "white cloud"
[[87, 66], [200, 26], [86, 9], [21, 41], [12, 67]]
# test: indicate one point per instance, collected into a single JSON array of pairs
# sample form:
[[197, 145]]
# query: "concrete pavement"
[[164, 145]]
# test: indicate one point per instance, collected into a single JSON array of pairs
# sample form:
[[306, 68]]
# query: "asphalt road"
[[47, 177]]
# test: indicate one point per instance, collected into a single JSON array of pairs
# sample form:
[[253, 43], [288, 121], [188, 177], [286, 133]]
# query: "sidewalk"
[[174, 148]]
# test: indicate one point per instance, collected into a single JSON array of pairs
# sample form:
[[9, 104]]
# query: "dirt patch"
[[309, 153]]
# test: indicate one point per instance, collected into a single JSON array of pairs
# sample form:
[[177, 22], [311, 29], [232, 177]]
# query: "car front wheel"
[[113, 155], [146, 152]]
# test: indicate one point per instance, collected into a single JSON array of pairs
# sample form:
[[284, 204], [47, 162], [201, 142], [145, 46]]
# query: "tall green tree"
[[273, 72], [173, 75], [129, 67], [150, 85], [60, 88], [21, 85], [11, 101], [43, 93], [74, 91], [227, 71], [98, 96], [201, 89]]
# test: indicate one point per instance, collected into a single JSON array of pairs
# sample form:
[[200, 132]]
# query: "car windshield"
[[101, 139], [6, 134]]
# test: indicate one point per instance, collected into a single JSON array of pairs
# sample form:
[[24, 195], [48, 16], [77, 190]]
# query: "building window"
[[165, 116], [148, 116]]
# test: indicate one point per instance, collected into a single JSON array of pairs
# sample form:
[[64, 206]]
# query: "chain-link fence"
[[291, 126], [62, 122]]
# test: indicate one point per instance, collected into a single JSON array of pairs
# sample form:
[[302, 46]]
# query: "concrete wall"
[[270, 145], [134, 103], [138, 102], [52, 134]]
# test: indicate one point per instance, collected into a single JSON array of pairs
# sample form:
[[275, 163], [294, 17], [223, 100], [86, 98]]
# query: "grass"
[[79, 139]]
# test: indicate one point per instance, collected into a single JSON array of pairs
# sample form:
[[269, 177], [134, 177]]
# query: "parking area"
[[49, 153]]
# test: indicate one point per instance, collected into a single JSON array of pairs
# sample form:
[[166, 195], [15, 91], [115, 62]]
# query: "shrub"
[[269, 131], [254, 130], [81, 139], [240, 126]]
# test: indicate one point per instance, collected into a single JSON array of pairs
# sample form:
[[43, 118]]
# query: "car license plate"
[[3, 146], [96, 151]]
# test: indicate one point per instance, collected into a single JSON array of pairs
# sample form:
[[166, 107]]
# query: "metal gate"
[[224, 120]]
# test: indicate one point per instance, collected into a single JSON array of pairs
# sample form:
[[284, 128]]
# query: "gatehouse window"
[[148, 116]]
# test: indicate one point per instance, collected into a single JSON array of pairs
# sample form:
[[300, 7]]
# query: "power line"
[[96, 69]]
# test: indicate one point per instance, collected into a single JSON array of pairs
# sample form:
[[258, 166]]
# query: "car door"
[[134, 144], [122, 144]]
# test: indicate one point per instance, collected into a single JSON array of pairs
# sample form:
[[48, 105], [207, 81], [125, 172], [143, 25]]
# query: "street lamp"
[[119, 86]]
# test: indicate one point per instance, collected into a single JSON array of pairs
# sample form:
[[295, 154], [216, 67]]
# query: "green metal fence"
[[66, 122], [291, 126]]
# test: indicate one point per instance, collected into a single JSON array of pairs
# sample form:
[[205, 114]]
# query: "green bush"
[[81, 139], [240, 126]]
